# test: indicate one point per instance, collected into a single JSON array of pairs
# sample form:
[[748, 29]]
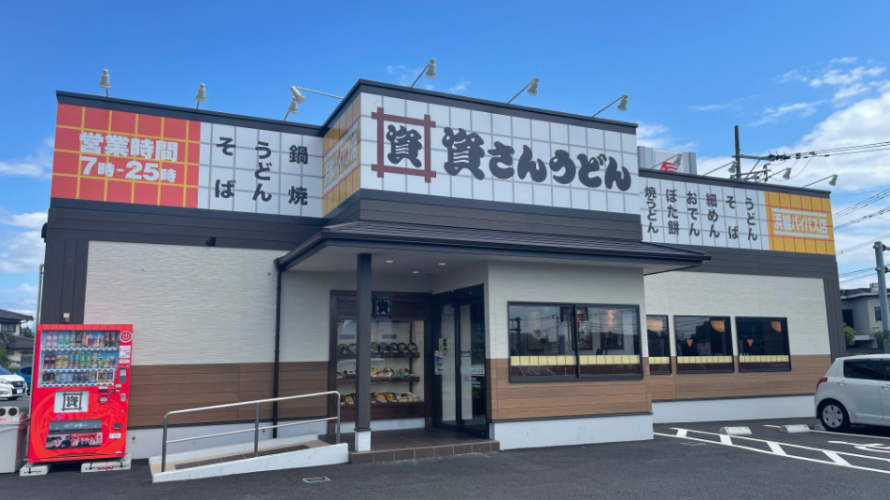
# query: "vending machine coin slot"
[[123, 377]]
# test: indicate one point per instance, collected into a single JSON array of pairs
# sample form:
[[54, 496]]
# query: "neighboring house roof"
[[859, 293], [17, 342], [7, 315]]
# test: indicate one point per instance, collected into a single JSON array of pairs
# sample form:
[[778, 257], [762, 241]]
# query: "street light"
[[786, 175], [202, 95], [532, 87], [105, 82], [622, 106], [299, 98], [430, 71], [832, 182], [293, 107]]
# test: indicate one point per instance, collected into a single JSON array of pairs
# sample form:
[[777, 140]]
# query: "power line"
[[863, 244], [869, 216], [844, 275], [862, 204]]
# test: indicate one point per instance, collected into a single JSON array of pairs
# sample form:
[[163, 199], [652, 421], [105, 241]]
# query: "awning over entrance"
[[365, 236]]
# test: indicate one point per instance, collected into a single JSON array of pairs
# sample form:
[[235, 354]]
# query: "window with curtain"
[[704, 344], [763, 344]]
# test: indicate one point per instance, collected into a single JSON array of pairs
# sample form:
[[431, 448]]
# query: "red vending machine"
[[80, 392]]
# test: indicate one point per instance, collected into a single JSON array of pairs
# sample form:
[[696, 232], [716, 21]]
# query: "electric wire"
[[863, 244], [866, 217]]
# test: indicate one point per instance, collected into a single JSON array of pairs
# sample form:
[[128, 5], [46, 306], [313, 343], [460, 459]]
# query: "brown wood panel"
[[559, 399], [806, 370], [158, 389]]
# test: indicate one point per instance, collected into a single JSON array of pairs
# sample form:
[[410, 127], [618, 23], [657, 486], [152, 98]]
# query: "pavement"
[[22, 402], [701, 465]]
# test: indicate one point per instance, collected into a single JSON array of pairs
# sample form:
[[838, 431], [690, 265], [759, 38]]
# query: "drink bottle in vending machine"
[[80, 395]]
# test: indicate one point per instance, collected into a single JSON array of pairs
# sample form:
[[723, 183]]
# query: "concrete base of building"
[[572, 431], [389, 425], [145, 443], [362, 440], [717, 410]]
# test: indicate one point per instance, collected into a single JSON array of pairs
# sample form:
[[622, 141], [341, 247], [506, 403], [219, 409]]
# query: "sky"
[[794, 75]]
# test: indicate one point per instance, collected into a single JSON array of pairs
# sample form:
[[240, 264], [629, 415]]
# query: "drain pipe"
[[277, 353]]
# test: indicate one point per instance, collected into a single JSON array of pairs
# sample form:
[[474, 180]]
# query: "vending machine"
[[80, 392]]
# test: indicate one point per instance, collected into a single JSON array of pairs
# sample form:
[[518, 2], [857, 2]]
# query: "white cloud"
[[865, 122], [28, 221], [710, 107], [852, 90], [460, 87], [656, 135], [840, 78], [21, 299], [21, 253], [844, 60], [803, 109], [794, 74], [404, 75], [38, 164]]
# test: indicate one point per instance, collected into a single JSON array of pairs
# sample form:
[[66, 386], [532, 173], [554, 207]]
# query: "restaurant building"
[[441, 261]]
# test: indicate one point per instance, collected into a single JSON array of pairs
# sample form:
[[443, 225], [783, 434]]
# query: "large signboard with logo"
[[691, 213], [115, 156], [415, 147]]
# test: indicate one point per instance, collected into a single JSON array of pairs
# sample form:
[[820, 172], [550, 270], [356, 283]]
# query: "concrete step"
[[274, 454]]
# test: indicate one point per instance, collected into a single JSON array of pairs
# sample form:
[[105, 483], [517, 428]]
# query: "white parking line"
[[776, 448], [836, 433], [835, 457]]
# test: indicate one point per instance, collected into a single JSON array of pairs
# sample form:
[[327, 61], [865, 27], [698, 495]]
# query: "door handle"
[[886, 387], [841, 384]]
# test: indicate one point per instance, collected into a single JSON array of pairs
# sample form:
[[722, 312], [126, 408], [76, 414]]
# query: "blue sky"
[[794, 75]]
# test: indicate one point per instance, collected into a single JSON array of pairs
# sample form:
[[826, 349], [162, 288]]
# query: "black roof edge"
[[318, 240], [147, 108], [434, 97], [718, 181]]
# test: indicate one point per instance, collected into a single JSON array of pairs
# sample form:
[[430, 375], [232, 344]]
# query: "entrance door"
[[459, 385]]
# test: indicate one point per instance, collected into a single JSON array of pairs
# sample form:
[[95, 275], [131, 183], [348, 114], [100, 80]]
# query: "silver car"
[[855, 390]]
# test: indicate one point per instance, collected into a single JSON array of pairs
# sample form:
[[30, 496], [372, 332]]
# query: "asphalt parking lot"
[[668, 467], [22, 402]]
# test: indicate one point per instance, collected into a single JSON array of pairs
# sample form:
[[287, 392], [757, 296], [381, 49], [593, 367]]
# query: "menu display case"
[[398, 342]]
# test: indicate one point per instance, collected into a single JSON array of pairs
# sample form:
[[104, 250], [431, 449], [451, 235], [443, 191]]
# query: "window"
[[704, 344], [848, 317], [863, 369], [542, 340], [763, 344], [877, 314], [659, 345], [608, 340], [7, 327], [561, 341]]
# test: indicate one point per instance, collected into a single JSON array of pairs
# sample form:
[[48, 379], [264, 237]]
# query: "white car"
[[855, 390], [19, 388], [6, 390]]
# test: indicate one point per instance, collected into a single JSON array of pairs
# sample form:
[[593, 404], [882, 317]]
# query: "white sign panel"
[[416, 147], [259, 171], [688, 213]]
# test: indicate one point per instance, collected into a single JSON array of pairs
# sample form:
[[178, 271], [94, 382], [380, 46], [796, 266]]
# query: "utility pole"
[[738, 155], [882, 270], [738, 158]]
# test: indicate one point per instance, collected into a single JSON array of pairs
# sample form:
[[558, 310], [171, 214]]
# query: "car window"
[[4, 371], [26, 370], [863, 369]]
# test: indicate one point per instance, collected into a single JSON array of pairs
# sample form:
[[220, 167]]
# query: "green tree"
[[27, 332], [849, 335], [4, 360], [881, 336]]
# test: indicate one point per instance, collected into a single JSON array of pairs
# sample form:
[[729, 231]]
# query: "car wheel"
[[834, 416]]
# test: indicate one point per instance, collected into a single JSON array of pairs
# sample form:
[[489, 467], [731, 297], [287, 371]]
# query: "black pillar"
[[363, 345]]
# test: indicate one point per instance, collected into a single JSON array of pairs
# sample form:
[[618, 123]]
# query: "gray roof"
[[16, 342], [4, 314]]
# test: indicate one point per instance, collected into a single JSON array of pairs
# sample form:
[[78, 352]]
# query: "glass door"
[[459, 384]]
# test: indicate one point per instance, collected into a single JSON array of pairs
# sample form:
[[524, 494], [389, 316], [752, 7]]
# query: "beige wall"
[[801, 300]]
